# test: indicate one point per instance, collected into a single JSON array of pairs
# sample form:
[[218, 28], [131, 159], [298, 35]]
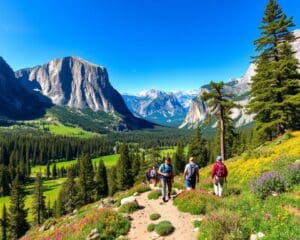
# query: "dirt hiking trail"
[[182, 222]]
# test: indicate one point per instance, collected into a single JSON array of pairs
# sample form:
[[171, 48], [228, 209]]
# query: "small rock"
[[260, 235], [135, 194], [196, 229], [94, 234], [199, 219], [128, 200], [75, 211], [257, 236], [154, 236], [274, 194], [297, 161], [52, 228]]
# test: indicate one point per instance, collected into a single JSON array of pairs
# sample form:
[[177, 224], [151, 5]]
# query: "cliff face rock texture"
[[75, 83]]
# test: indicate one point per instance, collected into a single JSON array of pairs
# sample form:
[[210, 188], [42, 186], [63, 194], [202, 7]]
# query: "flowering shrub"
[[129, 207], [292, 174], [109, 224], [267, 183], [194, 202], [222, 225]]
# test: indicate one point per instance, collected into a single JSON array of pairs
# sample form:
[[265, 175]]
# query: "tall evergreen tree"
[[48, 173], [221, 105], [112, 181], [275, 88], [179, 158], [4, 223], [38, 203], [136, 164], [86, 184], [101, 181], [68, 195], [124, 174], [18, 224], [54, 171], [4, 180], [198, 149]]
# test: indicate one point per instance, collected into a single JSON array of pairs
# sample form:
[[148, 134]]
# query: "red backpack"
[[221, 171]]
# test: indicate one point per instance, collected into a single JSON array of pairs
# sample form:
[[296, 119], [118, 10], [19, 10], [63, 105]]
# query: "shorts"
[[190, 183]]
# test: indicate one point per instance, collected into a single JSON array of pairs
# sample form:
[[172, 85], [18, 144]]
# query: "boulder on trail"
[[128, 200]]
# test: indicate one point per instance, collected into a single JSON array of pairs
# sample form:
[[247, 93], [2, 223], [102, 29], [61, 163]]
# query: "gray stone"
[[128, 200]]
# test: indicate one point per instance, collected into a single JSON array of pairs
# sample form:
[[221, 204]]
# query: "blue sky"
[[164, 44]]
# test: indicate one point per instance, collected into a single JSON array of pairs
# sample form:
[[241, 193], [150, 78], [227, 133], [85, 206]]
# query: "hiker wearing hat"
[[191, 174], [219, 174], [166, 172]]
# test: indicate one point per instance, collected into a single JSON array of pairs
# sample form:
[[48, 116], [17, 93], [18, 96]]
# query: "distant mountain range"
[[164, 108], [186, 109]]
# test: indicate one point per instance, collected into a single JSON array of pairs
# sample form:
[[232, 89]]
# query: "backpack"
[[221, 172], [191, 171]]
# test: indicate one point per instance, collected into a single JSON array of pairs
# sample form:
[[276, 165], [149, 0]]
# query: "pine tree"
[[4, 180], [275, 88], [54, 171], [38, 203], [198, 149], [68, 195], [48, 173], [136, 164], [179, 158], [155, 157], [18, 224], [101, 181], [4, 223], [112, 180], [86, 184], [221, 105], [124, 176]]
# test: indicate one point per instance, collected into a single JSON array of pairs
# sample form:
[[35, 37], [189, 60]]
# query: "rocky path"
[[140, 219]]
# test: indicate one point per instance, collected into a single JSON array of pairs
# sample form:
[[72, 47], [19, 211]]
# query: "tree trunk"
[[222, 136]]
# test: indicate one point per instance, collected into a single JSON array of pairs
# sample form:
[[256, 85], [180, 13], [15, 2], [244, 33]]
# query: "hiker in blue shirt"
[[191, 174], [167, 175]]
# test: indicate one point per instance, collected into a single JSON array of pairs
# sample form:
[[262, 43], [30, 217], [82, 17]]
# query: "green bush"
[[154, 216], [154, 194], [222, 225], [111, 225], [195, 202], [129, 207], [164, 228], [151, 227]]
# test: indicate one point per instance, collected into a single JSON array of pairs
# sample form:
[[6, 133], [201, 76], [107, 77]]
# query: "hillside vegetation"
[[239, 214], [261, 195]]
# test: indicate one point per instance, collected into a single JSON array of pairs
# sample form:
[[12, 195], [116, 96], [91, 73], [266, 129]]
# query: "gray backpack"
[[191, 171]]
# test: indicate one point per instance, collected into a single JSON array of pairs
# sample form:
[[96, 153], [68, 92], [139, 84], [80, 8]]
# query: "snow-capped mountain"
[[165, 108]]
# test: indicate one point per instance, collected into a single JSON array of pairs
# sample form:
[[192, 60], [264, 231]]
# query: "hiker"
[[167, 177], [148, 178], [191, 174], [153, 176], [219, 175]]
